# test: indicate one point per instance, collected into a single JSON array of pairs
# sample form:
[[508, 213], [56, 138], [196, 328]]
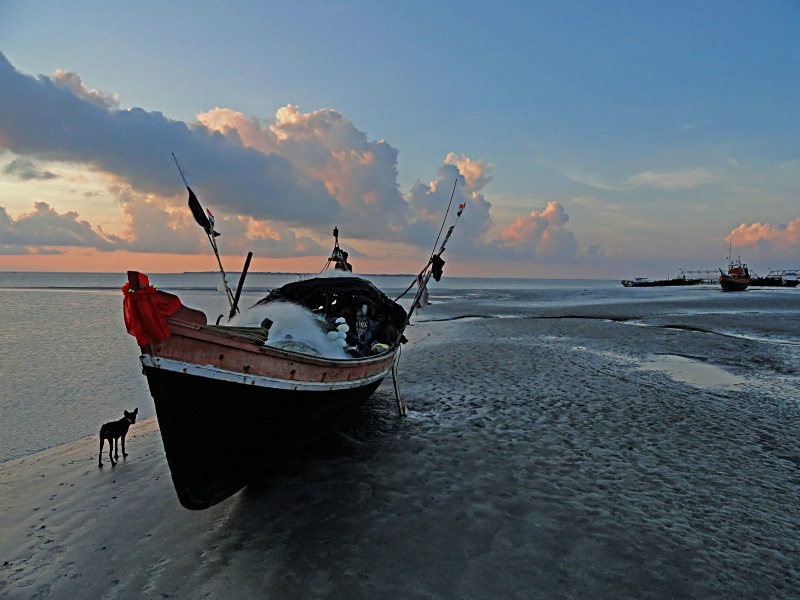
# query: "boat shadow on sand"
[[357, 439]]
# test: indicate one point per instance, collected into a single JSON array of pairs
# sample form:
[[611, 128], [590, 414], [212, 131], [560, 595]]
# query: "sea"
[[67, 364]]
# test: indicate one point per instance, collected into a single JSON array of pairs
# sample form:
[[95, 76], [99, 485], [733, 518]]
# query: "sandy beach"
[[541, 458]]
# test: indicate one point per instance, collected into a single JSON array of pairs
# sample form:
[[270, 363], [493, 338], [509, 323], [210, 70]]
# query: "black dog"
[[114, 431]]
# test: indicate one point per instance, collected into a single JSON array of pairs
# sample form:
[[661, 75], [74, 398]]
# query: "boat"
[[775, 279], [756, 281], [237, 399], [645, 282], [736, 278]]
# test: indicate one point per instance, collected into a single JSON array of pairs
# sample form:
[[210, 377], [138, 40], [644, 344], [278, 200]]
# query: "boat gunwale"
[[219, 336], [246, 379]]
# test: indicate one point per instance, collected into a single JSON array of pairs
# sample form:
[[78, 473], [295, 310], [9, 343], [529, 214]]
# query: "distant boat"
[[766, 281], [737, 278], [645, 282], [774, 279]]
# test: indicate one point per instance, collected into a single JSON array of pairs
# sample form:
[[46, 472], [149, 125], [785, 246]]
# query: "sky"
[[603, 140]]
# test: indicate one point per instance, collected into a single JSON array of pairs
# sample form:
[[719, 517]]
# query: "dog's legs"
[[101, 451], [123, 447], [116, 448], [111, 443]]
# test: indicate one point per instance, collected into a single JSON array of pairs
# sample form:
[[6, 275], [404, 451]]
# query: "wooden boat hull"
[[219, 435], [231, 403], [229, 408]]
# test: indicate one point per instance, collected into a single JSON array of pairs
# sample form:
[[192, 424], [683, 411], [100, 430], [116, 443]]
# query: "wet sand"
[[541, 458]]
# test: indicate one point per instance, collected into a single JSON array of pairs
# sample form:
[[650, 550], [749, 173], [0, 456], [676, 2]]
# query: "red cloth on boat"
[[146, 311]]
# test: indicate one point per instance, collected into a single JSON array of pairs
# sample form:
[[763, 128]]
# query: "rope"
[[256, 335]]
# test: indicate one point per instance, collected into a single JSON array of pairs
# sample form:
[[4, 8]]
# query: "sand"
[[541, 458]]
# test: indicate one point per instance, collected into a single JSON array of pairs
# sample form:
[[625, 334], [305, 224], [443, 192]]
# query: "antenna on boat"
[[435, 263], [338, 256], [207, 223], [455, 183], [432, 269]]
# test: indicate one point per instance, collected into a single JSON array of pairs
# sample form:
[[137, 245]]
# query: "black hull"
[[733, 286], [772, 282], [219, 435], [662, 283]]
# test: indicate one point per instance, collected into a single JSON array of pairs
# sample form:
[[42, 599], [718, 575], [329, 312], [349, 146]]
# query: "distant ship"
[[775, 279], [737, 278], [645, 282]]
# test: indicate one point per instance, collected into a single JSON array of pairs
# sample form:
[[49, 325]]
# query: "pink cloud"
[[541, 234], [276, 184], [73, 82], [782, 236], [475, 172], [361, 174]]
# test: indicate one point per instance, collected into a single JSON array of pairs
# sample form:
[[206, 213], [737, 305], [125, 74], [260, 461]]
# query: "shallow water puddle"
[[693, 372]]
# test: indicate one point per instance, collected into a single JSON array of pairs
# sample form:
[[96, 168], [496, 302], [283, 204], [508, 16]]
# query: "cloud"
[[277, 185], [57, 120], [541, 234], [677, 180], [45, 228], [27, 170], [325, 146], [8, 243], [156, 225], [597, 251], [73, 83], [428, 203], [152, 225], [475, 172], [766, 235]]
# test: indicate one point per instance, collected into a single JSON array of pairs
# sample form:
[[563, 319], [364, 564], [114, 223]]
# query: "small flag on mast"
[[194, 205], [199, 215], [461, 208]]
